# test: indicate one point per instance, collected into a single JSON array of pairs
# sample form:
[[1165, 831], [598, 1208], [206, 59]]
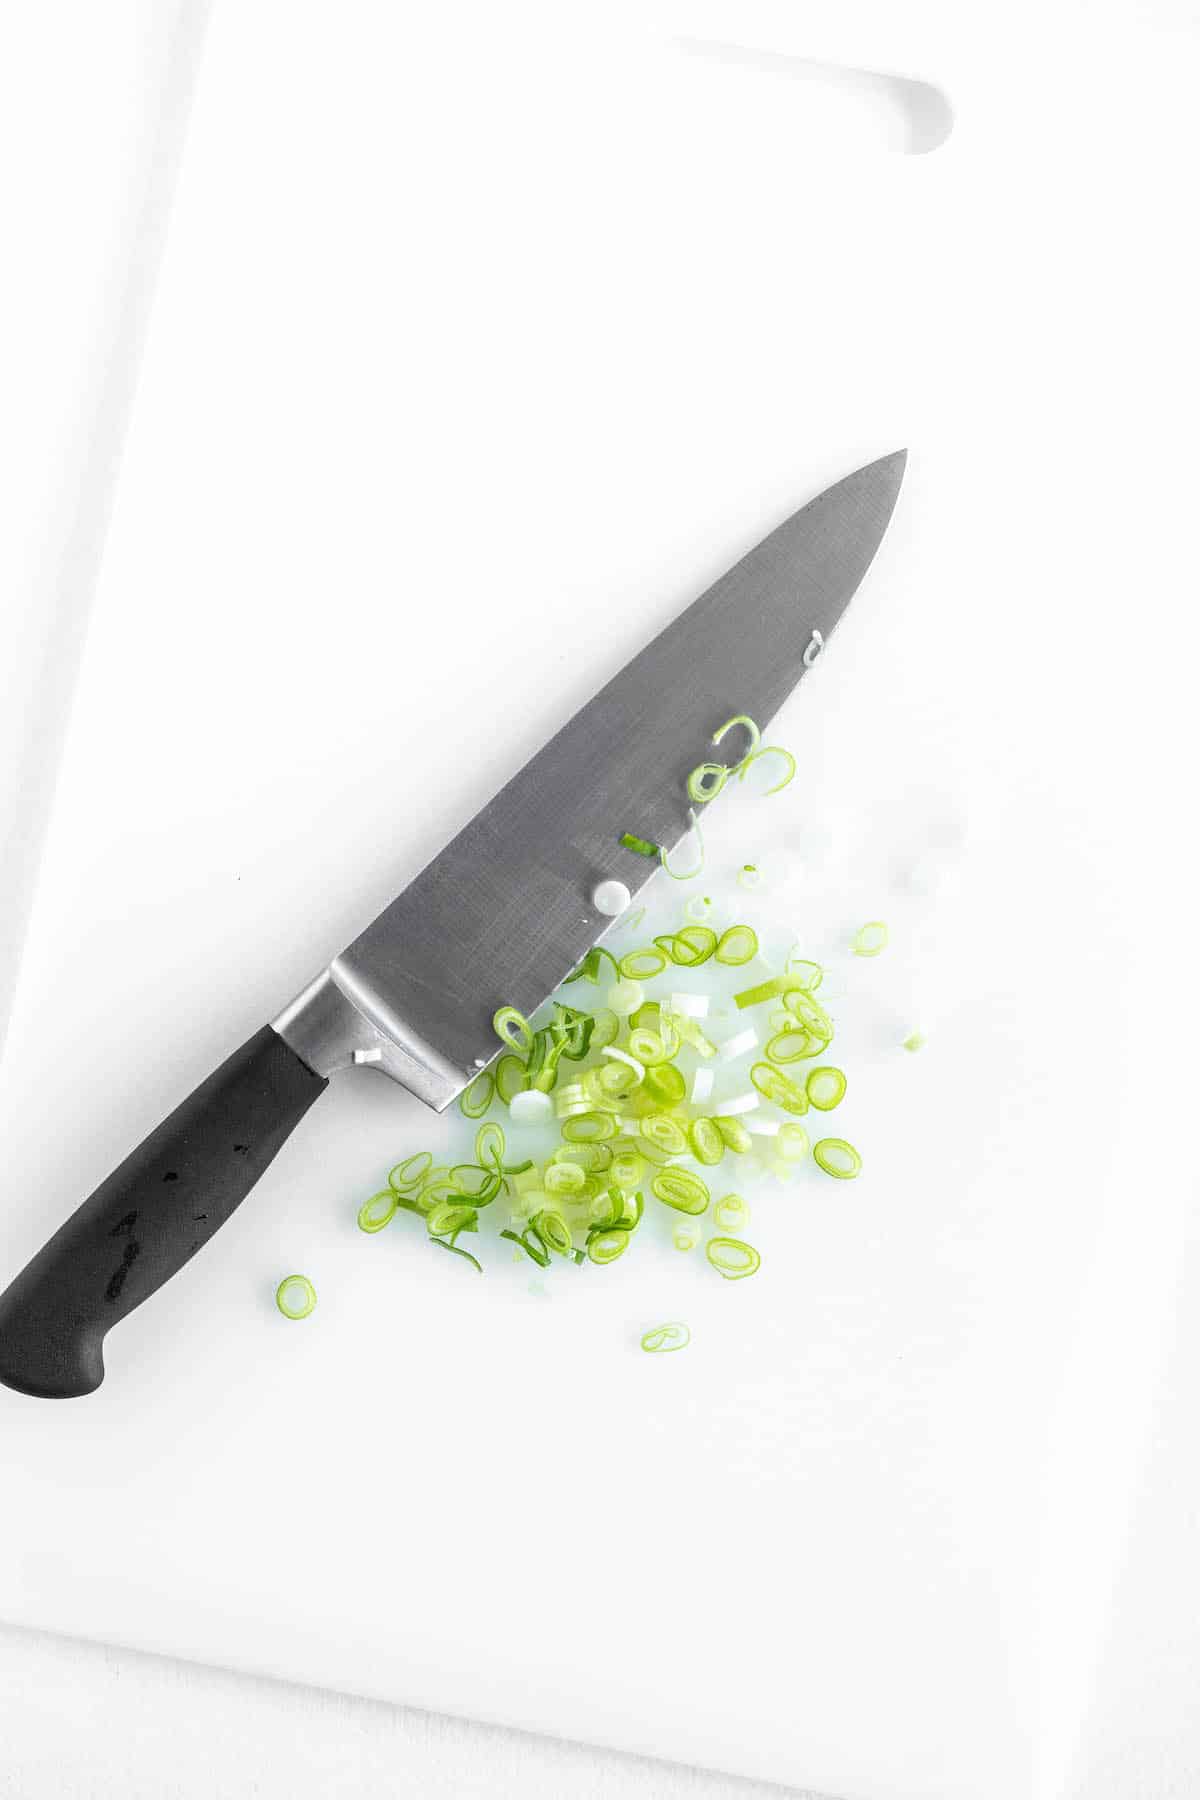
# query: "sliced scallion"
[[666, 1337], [770, 750], [295, 1296], [680, 1189], [732, 1258], [737, 945], [731, 1213], [708, 1145], [775, 1086], [642, 846], [837, 1158], [686, 874], [734, 1132], [475, 1099], [513, 1029], [410, 1173], [870, 938], [661, 1132], [378, 1211], [643, 965], [589, 1127], [825, 1087], [706, 781], [685, 1237]]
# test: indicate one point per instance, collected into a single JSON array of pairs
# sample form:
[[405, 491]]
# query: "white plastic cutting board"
[[485, 338]]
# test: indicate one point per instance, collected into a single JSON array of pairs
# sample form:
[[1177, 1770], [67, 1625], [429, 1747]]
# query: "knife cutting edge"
[[414, 994]]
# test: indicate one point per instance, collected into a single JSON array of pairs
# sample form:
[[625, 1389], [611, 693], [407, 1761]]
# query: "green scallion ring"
[[752, 729], [378, 1211], [690, 946], [589, 1128], [489, 1145], [605, 1028], [593, 1159], [411, 1172], [807, 974], [605, 1246], [475, 1099], [774, 1085], [870, 938], [511, 1078], [708, 1145], [664, 1133], [553, 1230], [706, 781], [732, 1258], [627, 1169], [666, 1083], [793, 1044], [680, 1189], [769, 750], [642, 965], [295, 1296], [825, 1087], [737, 945], [513, 1029], [561, 1179], [448, 1216], [735, 1135], [666, 1337], [837, 1158], [731, 1213], [648, 1047]]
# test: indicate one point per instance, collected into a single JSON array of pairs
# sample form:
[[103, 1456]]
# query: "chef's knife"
[[498, 918]]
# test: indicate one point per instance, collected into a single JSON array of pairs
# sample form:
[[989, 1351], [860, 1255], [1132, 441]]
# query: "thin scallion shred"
[[706, 781], [870, 938], [666, 1337], [457, 1250]]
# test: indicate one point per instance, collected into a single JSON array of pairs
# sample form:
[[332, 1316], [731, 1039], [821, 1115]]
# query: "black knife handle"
[[149, 1218]]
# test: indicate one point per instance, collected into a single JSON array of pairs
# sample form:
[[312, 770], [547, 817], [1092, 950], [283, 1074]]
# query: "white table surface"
[[76, 1719]]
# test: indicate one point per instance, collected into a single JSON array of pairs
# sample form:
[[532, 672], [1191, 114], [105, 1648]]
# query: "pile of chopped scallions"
[[645, 1084]]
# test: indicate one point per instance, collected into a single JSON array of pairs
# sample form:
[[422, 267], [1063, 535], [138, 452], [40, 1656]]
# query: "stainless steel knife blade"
[[505, 911]]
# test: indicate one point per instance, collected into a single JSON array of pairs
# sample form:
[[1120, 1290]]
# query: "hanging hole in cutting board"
[[844, 105]]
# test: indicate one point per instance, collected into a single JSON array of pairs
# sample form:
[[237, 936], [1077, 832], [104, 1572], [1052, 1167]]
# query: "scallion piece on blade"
[[475, 1099], [706, 781], [642, 965], [737, 945], [295, 1296], [837, 1158], [708, 1145], [686, 874], [914, 1041], [681, 1189], [513, 1029], [754, 733], [870, 938], [666, 1337], [629, 840], [825, 1087], [731, 1213], [735, 1134], [378, 1211], [410, 1173], [731, 1258]]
